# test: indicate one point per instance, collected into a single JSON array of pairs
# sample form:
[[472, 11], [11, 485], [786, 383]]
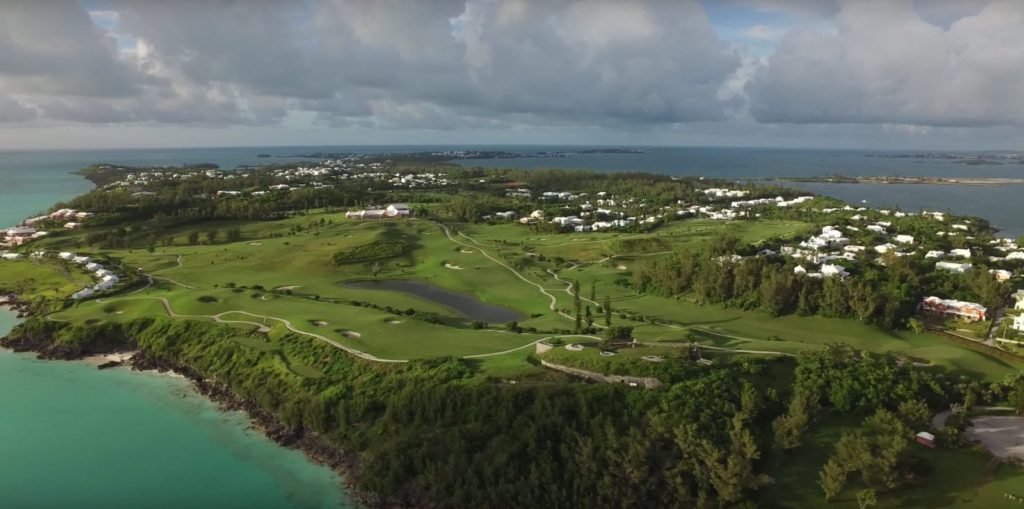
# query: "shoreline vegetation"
[[235, 281]]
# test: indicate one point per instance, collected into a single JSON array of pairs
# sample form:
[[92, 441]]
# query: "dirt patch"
[[351, 334], [1001, 434], [453, 267]]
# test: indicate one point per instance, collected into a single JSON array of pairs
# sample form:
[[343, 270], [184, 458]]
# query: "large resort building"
[[395, 210], [958, 308]]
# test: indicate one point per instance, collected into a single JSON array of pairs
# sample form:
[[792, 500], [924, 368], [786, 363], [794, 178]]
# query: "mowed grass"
[[45, 278], [754, 330], [269, 256], [961, 478]]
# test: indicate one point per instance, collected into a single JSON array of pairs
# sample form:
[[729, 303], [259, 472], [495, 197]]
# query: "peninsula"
[[448, 336]]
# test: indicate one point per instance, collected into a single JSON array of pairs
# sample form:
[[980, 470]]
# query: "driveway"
[[1001, 434]]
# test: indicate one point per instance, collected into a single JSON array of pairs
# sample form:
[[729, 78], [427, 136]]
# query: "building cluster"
[[30, 229], [105, 278]]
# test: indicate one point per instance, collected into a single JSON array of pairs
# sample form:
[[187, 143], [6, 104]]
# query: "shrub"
[[207, 299]]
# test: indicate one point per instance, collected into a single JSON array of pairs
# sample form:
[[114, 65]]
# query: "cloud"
[[887, 65], [764, 32], [385, 63]]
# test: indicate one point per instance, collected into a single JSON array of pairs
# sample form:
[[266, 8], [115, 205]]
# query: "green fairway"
[[285, 280]]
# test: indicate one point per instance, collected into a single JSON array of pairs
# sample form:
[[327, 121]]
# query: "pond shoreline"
[[465, 304]]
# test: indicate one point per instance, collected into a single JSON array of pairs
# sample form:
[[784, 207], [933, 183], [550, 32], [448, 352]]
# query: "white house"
[[1001, 275], [935, 254], [959, 268], [905, 239], [830, 270], [884, 248], [66, 255], [398, 210], [960, 253], [799, 270], [93, 266], [1016, 255], [83, 293], [10, 256], [1018, 323], [81, 260]]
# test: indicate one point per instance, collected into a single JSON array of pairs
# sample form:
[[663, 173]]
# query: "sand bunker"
[[290, 287], [254, 244], [466, 251], [394, 322], [351, 334], [621, 267], [320, 323], [453, 267]]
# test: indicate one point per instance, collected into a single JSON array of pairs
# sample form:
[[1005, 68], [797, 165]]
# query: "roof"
[[399, 206], [925, 435]]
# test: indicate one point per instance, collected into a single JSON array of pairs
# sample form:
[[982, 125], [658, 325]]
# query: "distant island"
[[897, 179], [968, 158], [463, 154]]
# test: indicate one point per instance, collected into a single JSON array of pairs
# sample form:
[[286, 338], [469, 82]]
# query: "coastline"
[[315, 447]]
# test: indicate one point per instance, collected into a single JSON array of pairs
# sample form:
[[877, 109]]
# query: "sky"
[[899, 74]]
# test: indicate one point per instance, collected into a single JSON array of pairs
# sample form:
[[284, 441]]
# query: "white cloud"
[[888, 65]]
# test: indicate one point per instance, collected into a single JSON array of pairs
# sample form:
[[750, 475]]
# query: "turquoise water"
[[73, 436]]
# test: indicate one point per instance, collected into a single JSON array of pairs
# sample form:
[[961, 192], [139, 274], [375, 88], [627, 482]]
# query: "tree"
[[790, 427], [724, 243], [589, 317], [375, 269], [832, 478], [193, 238], [211, 236], [863, 300], [593, 292], [916, 325], [866, 498], [915, 414], [1016, 396], [607, 305], [234, 234]]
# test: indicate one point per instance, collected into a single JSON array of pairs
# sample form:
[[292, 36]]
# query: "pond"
[[463, 303]]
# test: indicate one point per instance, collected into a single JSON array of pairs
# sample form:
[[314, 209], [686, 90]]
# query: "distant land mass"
[[467, 154], [971, 159]]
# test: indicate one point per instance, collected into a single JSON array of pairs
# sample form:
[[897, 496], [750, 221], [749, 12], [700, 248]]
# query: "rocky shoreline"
[[315, 446]]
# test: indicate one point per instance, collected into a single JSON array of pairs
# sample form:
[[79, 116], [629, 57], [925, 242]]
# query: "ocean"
[[77, 437], [74, 436]]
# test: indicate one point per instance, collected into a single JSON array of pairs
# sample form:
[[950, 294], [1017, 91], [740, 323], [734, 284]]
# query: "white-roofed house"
[[959, 268], [398, 210]]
